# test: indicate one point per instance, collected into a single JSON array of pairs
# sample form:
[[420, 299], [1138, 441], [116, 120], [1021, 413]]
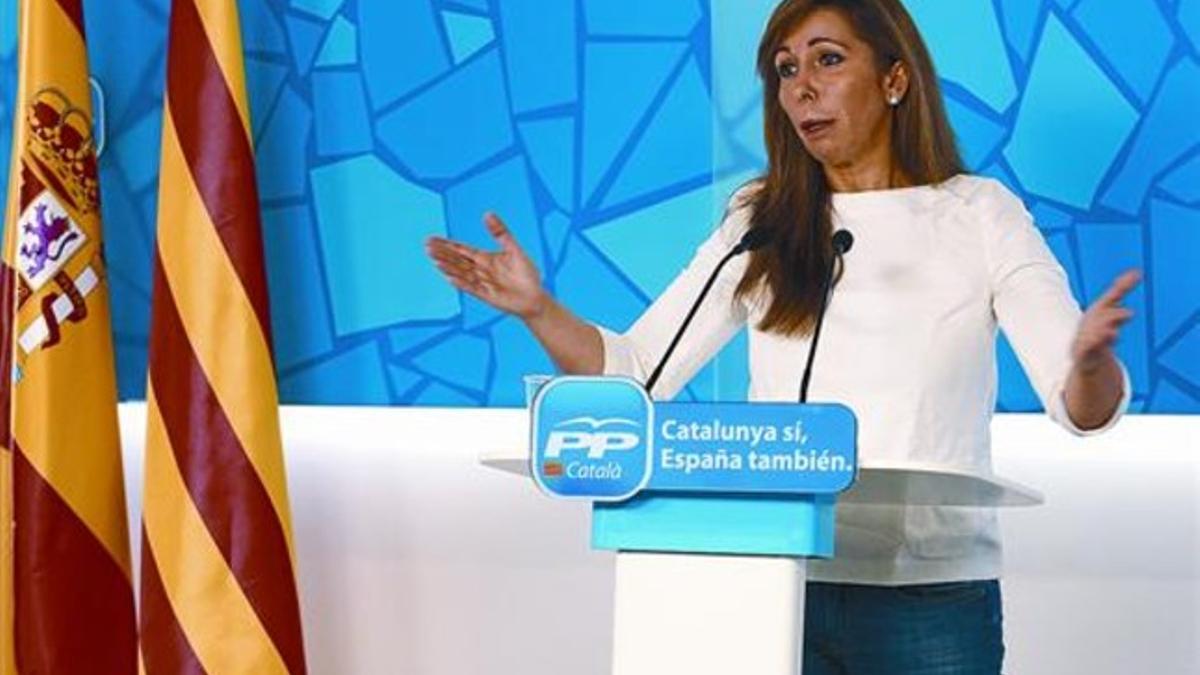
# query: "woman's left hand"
[[1101, 324]]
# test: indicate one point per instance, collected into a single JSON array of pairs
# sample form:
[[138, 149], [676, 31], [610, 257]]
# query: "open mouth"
[[814, 127]]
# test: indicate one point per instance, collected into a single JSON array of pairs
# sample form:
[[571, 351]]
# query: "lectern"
[[713, 510]]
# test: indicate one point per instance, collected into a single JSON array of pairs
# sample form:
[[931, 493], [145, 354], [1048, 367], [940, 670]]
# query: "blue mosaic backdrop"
[[609, 134]]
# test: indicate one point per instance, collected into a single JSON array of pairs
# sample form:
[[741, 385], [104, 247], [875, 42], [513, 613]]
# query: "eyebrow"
[[813, 42]]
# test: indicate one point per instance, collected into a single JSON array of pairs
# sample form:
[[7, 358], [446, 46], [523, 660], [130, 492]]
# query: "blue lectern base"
[[786, 525]]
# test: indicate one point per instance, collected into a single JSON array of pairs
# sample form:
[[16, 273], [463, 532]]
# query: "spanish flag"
[[65, 591], [218, 592]]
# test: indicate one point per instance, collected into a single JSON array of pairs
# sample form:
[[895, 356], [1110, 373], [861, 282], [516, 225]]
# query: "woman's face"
[[831, 89]]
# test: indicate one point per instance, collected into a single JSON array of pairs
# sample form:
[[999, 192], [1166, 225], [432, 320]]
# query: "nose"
[[801, 87]]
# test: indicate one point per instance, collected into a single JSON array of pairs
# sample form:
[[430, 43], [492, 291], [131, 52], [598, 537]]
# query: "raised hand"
[[506, 279], [1101, 323]]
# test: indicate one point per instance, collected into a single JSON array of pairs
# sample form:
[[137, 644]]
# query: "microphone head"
[[754, 239], [843, 241]]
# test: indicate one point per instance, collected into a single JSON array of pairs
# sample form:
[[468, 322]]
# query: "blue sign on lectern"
[[593, 438], [603, 439]]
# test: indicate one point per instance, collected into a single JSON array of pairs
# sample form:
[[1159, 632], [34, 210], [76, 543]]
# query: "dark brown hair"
[[793, 199]]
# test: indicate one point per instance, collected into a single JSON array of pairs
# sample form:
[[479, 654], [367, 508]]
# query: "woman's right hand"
[[506, 279]]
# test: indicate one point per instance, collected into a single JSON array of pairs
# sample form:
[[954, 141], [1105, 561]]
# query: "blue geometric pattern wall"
[[609, 135]]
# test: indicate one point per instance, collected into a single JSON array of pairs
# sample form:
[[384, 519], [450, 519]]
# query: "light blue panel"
[[355, 376], [8, 30], [442, 396], [130, 303], [130, 70], [1184, 182], [467, 34], [149, 219], [139, 167], [504, 190], [1189, 20], [738, 25], [476, 313], [967, 48], [1168, 398], [1167, 131], [1015, 392], [340, 109], [550, 146], [1181, 358], [791, 526], [555, 228], [454, 125], [722, 193], [129, 255], [675, 148], [281, 162], [479, 5], [1060, 246], [540, 53], [341, 44], [299, 306], [403, 382], [305, 38], [653, 245], [8, 92], [402, 48], [263, 82], [726, 155], [620, 83], [978, 135], [1019, 20], [1067, 161], [1105, 251], [545, 61], [131, 358], [322, 9], [377, 270], [661, 18], [1175, 250], [520, 355], [749, 134], [462, 360], [415, 338], [592, 287], [1115, 26], [261, 30], [1048, 217]]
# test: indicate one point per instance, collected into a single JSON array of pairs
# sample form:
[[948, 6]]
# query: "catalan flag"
[[218, 591], [66, 598]]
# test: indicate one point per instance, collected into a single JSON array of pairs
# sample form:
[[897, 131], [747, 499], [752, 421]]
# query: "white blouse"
[[909, 344]]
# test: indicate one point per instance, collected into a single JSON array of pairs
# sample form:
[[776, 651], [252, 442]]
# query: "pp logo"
[[592, 438]]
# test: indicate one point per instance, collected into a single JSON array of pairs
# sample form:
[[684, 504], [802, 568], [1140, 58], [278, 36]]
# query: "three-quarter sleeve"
[[1032, 302], [636, 352]]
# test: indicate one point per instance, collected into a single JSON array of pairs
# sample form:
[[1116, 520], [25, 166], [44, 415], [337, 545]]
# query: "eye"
[[828, 59], [786, 69]]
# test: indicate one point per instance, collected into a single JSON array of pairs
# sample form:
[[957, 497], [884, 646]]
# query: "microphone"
[[754, 239], [842, 242]]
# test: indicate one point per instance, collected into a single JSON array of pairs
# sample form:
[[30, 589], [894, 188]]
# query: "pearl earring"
[[894, 100]]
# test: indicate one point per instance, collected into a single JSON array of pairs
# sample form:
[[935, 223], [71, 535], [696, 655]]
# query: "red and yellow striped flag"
[[218, 590], [66, 601]]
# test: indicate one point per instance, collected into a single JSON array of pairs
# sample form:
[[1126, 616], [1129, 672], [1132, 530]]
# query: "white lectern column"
[[708, 614]]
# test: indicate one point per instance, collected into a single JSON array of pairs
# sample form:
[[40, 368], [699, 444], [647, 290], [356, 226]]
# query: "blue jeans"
[[927, 629]]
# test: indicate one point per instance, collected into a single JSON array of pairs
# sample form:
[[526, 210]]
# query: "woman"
[[857, 139]]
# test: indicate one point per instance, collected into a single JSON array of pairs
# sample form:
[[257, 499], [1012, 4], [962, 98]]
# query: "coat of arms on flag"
[[58, 176]]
